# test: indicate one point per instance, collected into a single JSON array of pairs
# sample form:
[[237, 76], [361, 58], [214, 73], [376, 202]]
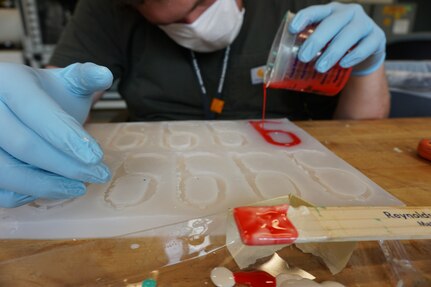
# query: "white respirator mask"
[[214, 30]]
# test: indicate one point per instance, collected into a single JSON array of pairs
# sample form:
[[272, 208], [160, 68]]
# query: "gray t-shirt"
[[157, 79]]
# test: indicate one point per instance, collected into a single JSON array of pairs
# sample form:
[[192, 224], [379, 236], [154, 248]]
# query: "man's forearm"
[[365, 97]]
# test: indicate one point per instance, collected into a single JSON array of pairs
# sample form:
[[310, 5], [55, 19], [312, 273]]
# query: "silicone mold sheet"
[[165, 172]]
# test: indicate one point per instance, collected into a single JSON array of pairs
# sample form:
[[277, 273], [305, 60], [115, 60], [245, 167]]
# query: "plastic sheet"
[[184, 254]]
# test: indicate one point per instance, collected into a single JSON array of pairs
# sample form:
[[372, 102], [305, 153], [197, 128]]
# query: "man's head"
[[163, 12], [199, 25]]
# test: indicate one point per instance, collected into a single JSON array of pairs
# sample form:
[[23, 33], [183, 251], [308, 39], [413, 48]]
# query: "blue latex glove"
[[346, 25], [44, 150]]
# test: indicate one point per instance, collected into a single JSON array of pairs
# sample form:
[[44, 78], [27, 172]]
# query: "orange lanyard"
[[214, 105]]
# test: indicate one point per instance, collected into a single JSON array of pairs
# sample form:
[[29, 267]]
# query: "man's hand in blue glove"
[[44, 151], [344, 25]]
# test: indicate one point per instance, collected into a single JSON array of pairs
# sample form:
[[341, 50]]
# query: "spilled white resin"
[[165, 172], [222, 277]]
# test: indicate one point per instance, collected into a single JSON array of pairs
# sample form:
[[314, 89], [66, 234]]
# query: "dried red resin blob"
[[424, 148], [265, 225]]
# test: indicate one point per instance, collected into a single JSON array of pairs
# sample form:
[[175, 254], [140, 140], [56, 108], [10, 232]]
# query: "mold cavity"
[[274, 184], [181, 140], [231, 139], [225, 126], [130, 190], [135, 127], [128, 141], [141, 163], [200, 190], [280, 137], [314, 159], [343, 184], [273, 124]]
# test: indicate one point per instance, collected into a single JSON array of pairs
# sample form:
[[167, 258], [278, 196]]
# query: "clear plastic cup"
[[285, 71]]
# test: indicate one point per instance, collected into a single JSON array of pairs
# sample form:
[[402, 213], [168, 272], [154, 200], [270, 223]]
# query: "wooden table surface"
[[384, 150]]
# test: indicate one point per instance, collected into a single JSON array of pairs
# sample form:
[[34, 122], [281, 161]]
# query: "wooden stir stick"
[[284, 224]]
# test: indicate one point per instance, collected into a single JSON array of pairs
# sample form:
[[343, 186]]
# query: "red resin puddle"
[[266, 134], [265, 225], [255, 279]]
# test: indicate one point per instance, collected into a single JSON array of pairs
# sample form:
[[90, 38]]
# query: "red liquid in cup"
[[303, 77]]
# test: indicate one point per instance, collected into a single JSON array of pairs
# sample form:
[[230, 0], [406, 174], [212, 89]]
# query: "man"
[[173, 57]]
